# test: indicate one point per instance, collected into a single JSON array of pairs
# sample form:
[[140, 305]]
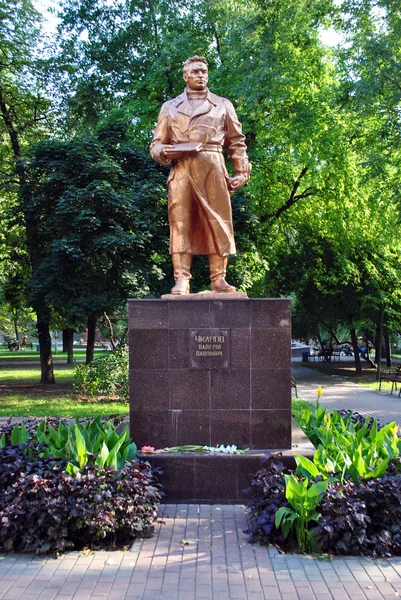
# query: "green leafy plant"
[[303, 499], [310, 421], [19, 435], [356, 450], [91, 441]]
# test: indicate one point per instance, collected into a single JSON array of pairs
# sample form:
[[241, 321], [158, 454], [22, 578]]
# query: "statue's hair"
[[192, 59]]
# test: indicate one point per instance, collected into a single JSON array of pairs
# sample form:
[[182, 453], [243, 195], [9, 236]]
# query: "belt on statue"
[[211, 148]]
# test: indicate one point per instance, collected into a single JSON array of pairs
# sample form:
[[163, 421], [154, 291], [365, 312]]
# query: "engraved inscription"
[[209, 349]]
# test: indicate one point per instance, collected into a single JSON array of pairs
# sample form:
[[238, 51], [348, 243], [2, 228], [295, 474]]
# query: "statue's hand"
[[237, 182], [169, 153]]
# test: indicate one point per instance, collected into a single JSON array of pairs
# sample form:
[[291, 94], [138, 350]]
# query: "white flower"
[[223, 449]]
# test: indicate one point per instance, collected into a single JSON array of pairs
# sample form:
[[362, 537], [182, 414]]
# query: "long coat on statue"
[[199, 206]]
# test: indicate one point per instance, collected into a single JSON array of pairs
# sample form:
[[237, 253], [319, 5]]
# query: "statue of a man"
[[191, 132]]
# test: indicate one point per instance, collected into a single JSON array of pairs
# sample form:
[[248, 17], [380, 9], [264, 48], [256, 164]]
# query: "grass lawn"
[[374, 385], [22, 395], [37, 405], [31, 374], [32, 355]]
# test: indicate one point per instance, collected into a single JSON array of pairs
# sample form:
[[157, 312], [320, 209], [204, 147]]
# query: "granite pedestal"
[[210, 371]]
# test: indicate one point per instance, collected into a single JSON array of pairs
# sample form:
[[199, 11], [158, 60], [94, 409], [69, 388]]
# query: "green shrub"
[[106, 377]]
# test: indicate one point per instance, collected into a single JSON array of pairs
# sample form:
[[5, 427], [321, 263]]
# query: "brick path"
[[197, 552], [200, 552]]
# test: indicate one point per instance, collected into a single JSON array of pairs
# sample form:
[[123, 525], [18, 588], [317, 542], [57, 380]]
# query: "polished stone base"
[[211, 371], [218, 479]]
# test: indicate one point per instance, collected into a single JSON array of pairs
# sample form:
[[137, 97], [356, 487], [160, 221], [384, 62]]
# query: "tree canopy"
[[84, 209]]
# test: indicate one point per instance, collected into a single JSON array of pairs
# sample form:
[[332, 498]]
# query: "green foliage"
[[96, 203], [319, 219], [311, 420], [304, 499], [346, 449], [91, 441], [19, 435], [106, 376], [132, 52]]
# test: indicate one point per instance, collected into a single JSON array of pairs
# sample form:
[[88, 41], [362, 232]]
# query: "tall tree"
[[97, 208], [23, 112]]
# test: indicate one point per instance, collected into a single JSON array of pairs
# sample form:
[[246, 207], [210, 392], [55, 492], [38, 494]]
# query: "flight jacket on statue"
[[199, 205]]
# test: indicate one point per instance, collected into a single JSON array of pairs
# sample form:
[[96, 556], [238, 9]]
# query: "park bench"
[[294, 385], [394, 376], [336, 353]]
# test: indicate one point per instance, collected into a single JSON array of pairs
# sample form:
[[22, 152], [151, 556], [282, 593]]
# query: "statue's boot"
[[218, 267], [182, 273]]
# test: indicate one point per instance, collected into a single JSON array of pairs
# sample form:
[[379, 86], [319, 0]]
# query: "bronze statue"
[[191, 132]]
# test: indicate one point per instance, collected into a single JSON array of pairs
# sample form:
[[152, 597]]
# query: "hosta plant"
[[348, 448], [303, 498], [94, 441], [91, 441]]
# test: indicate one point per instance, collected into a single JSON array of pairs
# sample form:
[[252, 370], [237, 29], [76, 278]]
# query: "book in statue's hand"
[[186, 148]]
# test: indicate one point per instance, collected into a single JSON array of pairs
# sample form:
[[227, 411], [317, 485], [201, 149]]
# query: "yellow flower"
[[319, 392]]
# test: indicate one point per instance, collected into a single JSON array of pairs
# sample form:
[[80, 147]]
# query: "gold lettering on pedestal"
[[213, 345], [208, 349], [210, 338]]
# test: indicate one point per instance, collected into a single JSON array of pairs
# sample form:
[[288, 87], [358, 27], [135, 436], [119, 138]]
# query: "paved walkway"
[[201, 552], [339, 393]]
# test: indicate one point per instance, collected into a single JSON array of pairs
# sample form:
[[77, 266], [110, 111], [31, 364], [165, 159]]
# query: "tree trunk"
[[45, 344], [379, 343], [16, 330], [68, 344], [388, 350], [65, 340], [355, 347], [90, 344], [109, 325]]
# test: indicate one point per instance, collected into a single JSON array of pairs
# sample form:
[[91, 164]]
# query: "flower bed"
[[64, 487], [347, 501]]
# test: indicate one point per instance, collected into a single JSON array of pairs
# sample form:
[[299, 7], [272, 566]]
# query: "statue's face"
[[196, 76]]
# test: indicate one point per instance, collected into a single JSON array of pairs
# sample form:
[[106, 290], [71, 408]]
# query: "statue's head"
[[195, 72]]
